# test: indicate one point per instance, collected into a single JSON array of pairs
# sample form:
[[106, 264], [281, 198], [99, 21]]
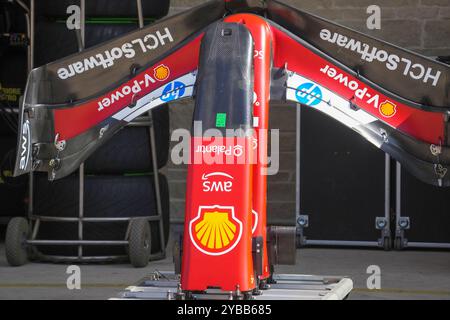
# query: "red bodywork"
[[233, 268], [71, 122], [262, 63], [217, 232], [201, 269], [422, 125], [225, 260]]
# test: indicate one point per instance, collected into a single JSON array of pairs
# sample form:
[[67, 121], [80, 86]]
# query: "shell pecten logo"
[[215, 230], [388, 109], [162, 72]]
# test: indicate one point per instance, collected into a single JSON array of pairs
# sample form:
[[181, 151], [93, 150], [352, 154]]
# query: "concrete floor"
[[404, 275]]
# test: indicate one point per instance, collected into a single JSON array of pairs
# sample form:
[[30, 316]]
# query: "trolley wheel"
[[139, 246], [398, 243], [15, 243], [387, 244]]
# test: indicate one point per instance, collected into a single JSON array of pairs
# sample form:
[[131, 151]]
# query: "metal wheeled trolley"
[[406, 222], [165, 286], [21, 237], [381, 224]]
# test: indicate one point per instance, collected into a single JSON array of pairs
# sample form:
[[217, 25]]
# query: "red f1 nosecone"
[[217, 245]]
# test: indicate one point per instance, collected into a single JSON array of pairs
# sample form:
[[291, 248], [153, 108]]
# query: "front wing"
[[394, 98]]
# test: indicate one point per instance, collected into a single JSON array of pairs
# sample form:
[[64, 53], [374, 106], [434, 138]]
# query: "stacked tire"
[[119, 176], [105, 20], [13, 74]]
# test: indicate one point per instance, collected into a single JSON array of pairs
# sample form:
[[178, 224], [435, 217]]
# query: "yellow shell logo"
[[162, 73], [388, 109], [215, 231]]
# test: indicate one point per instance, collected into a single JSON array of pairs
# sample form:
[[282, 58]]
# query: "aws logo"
[[215, 231], [388, 109], [25, 146]]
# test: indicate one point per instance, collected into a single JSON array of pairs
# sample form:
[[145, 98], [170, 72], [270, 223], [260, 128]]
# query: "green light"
[[221, 120]]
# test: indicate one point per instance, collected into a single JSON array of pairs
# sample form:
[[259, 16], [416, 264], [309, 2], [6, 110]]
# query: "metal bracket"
[[384, 135], [435, 150], [302, 223], [401, 242], [382, 224], [103, 131], [257, 253], [404, 223], [440, 170], [60, 145]]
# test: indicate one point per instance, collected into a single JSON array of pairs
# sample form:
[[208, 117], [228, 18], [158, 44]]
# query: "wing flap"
[[422, 81], [413, 135], [56, 138]]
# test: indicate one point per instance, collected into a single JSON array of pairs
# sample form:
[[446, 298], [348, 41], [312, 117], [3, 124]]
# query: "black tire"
[[13, 190], [15, 247], [139, 247], [12, 18], [99, 33], [151, 8], [105, 196], [8, 120], [13, 76], [105, 8], [129, 150], [54, 41]]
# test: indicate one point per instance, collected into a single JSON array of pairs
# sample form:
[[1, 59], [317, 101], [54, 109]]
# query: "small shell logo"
[[215, 231], [162, 72], [388, 109]]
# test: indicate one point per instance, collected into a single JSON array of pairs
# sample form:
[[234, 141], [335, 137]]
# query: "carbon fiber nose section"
[[225, 79]]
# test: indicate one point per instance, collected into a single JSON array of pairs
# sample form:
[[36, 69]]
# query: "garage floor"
[[404, 275]]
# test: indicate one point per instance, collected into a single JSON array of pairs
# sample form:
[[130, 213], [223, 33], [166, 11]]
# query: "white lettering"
[[435, 78], [108, 58], [166, 35], [415, 71]]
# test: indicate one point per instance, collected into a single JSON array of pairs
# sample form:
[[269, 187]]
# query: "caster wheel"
[[398, 243], [264, 285], [387, 244], [15, 243], [139, 247], [248, 296]]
